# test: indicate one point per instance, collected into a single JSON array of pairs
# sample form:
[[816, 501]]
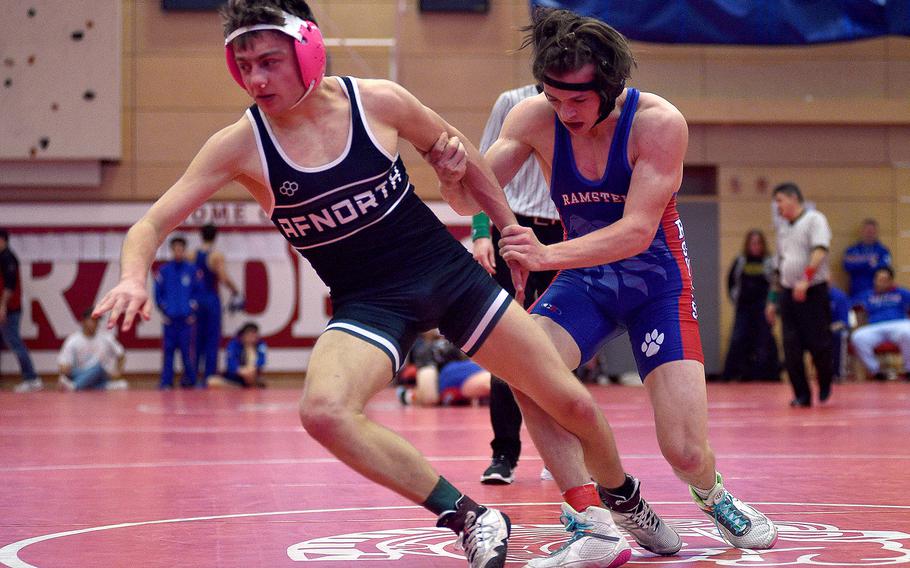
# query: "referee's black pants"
[[807, 327], [505, 416]]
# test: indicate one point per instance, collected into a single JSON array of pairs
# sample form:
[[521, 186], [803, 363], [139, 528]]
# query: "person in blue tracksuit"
[[864, 258], [177, 285], [210, 264], [246, 356]]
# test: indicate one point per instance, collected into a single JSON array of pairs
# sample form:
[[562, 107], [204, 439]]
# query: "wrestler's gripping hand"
[[448, 158], [520, 245]]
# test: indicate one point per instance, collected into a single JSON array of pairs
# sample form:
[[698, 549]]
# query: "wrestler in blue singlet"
[[208, 317], [650, 294]]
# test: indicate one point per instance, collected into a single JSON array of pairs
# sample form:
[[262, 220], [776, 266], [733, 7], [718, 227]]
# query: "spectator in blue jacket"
[[177, 285], [865, 257], [840, 329], [886, 307], [246, 354]]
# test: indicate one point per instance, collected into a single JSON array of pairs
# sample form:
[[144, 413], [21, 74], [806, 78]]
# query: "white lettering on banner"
[[48, 292], [225, 213], [76, 247]]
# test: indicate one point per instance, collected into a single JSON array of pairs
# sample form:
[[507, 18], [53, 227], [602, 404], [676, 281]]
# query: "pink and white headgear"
[[309, 48]]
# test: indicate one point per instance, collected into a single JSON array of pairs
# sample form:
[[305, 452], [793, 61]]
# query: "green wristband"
[[480, 226], [773, 296]]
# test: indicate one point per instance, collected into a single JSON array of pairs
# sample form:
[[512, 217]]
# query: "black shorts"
[[457, 296]]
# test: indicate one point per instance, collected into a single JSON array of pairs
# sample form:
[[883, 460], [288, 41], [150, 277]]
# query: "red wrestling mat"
[[148, 479]]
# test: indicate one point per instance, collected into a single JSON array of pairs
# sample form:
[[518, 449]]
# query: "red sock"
[[582, 497]]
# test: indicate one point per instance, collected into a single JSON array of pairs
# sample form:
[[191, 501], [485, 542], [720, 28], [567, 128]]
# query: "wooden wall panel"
[[190, 33], [455, 81], [356, 18], [756, 183], [800, 79], [178, 83], [493, 33], [175, 137], [798, 145]]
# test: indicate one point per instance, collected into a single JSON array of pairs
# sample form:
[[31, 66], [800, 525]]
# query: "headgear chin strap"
[[309, 49], [607, 102]]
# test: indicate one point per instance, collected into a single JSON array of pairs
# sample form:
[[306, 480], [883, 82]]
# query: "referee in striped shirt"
[[803, 241], [529, 198]]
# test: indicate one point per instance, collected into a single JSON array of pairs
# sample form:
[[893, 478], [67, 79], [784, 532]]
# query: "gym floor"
[[229, 478]]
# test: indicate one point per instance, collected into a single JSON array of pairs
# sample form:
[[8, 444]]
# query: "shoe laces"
[[577, 527], [476, 535], [643, 516], [501, 460], [728, 514]]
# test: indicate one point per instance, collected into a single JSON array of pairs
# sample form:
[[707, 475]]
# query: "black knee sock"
[[450, 504]]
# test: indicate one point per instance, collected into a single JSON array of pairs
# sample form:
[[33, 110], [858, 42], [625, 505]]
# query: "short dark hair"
[[248, 326], [790, 189], [564, 41], [4, 234], [887, 269], [241, 13], [208, 231], [177, 240], [870, 221]]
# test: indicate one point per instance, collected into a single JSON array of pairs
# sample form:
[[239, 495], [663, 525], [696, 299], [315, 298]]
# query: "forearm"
[[480, 183], [139, 247], [816, 258], [603, 246]]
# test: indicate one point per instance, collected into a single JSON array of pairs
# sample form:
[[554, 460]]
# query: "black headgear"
[[607, 100]]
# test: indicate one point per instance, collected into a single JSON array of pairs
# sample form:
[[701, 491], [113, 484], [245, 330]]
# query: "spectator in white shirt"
[[91, 359]]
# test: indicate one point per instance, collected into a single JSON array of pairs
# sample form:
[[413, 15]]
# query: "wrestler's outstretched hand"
[[128, 299]]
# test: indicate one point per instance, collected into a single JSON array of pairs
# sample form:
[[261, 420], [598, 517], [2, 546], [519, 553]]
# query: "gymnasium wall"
[[832, 118]]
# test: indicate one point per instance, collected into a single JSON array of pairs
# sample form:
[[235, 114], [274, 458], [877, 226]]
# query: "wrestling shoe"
[[635, 516], [485, 538], [739, 524], [595, 542], [500, 472]]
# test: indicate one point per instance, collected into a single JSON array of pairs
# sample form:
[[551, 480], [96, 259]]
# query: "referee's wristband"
[[480, 226]]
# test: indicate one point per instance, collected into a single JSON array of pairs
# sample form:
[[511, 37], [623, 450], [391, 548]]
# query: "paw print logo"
[[651, 345], [288, 188]]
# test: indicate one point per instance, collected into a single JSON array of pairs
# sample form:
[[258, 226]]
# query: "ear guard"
[[309, 48]]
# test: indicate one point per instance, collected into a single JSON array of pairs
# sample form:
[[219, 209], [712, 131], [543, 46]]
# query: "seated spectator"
[[91, 359], [865, 257], [840, 330], [444, 375], [886, 308], [245, 354]]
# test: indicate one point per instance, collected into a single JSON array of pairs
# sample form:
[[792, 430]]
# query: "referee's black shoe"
[[500, 472]]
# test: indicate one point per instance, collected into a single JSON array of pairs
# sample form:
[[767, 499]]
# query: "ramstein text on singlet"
[[343, 211], [576, 197]]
